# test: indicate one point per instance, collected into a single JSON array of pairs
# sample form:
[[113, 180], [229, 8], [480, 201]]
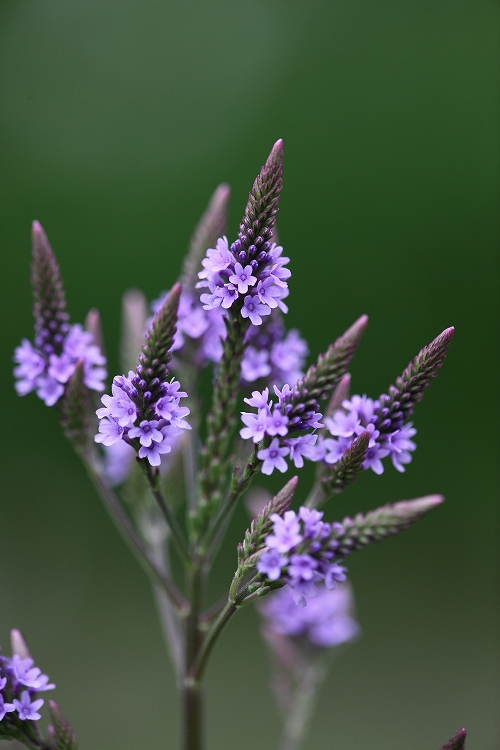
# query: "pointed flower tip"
[[18, 644], [222, 192], [457, 742], [276, 155], [358, 328]]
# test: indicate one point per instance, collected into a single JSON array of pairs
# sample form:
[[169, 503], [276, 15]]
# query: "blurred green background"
[[118, 119]]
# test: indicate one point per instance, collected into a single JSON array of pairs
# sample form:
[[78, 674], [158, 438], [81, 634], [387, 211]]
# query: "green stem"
[[177, 535], [132, 537], [192, 689], [210, 640]]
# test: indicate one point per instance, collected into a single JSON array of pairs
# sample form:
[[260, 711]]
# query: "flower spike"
[[396, 407], [457, 742], [60, 732], [345, 471], [49, 301]]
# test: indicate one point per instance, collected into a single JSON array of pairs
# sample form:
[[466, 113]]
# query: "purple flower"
[[270, 564], [146, 432], [49, 390], [242, 278], [227, 294], [302, 446], [118, 461], [325, 622], [313, 525], [109, 432], [217, 259], [6, 707], [333, 573], [26, 708], [259, 400], [27, 674], [302, 567], [277, 423], [374, 458], [254, 310], [256, 425], [286, 532], [154, 451], [255, 364], [273, 457], [118, 407], [268, 292], [342, 424]]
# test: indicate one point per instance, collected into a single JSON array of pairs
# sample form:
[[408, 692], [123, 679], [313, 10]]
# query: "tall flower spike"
[[261, 526], [398, 405], [49, 305], [249, 280], [76, 408], [212, 225], [323, 377], [60, 732], [262, 206], [457, 742], [344, 472], [156, 354], [355, 533]]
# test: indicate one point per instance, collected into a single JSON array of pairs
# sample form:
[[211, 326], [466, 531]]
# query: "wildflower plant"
[[171, 472]]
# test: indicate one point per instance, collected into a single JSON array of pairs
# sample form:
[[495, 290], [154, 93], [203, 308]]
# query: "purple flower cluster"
[[272, 421], [272, 353], [20, 680], [325, 622], [255, 276], [360, 413], [47, 366], [122, 416], [301, 552]]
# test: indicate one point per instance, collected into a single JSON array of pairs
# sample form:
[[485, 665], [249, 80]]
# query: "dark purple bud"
[[149, 372], [254, 264], [139, 369], [329, 554], [315, 547], [53, 325], [135, 380], [64, 328], [48, 349], [236, 247], [58, 338], [288, 408], [243, 239], [384, 412], [252, 250], [259, 240], [295, 421], [142, 358], [242, 256], [147, 395], [397, 416], [250, 233], [142, 384], [266, 247], [300, 408], [133, 393], [262, 256], [155, 381], [385, 424]]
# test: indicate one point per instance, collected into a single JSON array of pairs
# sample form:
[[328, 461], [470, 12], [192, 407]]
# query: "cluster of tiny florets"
[[301, 552], [47, 366], [358, 414], [255, 276], [20, 681], [271, 354], [122, 417], [273, 421], [326, 622]]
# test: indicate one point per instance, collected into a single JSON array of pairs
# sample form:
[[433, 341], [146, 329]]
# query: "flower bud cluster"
[[145, 414], [272, 353], [360, 413], [301, 552], [20, 681], [254, 274], [47, 366], [273, 421], [326, 622]]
